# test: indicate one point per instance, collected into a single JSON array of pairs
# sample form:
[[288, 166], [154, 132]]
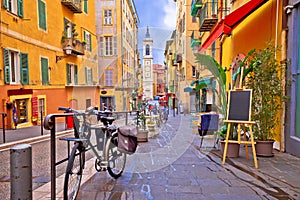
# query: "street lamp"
[[68, 51]]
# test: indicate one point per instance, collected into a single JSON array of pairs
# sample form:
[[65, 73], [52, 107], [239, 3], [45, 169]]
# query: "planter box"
[[233, 149], [142, 136], [264, 148]]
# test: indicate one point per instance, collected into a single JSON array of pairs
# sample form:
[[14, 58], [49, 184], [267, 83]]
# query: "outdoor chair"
[[209, 125]]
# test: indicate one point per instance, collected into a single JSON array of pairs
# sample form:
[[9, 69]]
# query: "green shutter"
[[24, 68], [5, 4], [85, 6], [76, 75], [68, 67], [42, 14], [45, 72], [6, 66], [90, 42], [20, 8]]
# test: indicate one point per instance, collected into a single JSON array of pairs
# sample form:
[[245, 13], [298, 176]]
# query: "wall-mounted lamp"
[[288, 9], [68, 51]]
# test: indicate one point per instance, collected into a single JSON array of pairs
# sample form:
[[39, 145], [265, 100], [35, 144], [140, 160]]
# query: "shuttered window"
[[42, 15], [14, 6], [24, 68], [88, 39], [108, 45], [45, 71], [108, 77], [85, 6], [72, 77], [108, 17], [88, 75], [15, 67]]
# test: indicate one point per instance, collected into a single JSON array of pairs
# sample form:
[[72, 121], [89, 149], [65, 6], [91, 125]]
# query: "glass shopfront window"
[[22, 110]]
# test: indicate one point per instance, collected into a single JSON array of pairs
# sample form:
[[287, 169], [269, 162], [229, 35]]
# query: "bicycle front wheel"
[[116, 159], [73, 173]]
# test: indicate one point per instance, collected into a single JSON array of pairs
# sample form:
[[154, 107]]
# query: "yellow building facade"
[[46, 51]]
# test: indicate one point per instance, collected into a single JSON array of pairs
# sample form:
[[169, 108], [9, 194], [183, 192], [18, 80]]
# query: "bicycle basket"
[[127, 139]]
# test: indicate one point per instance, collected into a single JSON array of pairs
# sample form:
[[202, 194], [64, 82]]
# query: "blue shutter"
[[20, 8], [6, 66], [24, 68]]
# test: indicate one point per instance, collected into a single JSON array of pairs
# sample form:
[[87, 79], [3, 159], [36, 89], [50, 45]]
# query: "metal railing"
[[122, 118]]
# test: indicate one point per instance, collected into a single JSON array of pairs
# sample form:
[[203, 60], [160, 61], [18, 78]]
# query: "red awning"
[[231, 21]]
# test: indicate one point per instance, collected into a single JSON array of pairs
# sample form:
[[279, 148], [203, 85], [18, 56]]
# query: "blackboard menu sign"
[[239, 105]]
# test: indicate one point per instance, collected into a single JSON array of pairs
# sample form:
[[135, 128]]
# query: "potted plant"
[[264, 77], [233, 149], [151, 125], [141, 124]]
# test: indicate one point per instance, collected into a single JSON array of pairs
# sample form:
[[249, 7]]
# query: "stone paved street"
[[172, 166]]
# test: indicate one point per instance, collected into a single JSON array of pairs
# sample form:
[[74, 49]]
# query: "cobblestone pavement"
[[172, 166]]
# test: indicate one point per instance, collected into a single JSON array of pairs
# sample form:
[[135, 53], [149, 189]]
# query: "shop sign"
[[34, 106]]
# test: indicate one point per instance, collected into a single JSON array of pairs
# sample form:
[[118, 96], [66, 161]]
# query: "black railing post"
[[3, 124], [42, 127]]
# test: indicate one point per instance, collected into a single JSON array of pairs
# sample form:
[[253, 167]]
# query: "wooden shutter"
[[24, 68], [101, 44], [76, 74], [68, 70], [6, 66], [115, 38], [85, 6], [20, 8], [42, 14], [45, 72], [5, 4]]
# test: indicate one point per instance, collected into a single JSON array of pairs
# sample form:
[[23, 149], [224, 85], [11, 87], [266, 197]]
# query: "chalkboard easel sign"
[[239, 105]]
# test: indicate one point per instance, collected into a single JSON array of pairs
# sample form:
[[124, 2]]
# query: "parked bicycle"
[[108, 156]]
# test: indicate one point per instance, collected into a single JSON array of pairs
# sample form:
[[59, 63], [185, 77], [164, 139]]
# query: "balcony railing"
[[77, 47], [73, 5], [208, 16]]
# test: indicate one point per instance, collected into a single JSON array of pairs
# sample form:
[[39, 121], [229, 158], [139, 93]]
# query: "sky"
[[160, 17]]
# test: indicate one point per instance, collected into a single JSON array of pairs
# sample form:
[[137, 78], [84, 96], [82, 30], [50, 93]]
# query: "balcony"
[[73, 5], [196, 6], [208, 16], [77, 47]]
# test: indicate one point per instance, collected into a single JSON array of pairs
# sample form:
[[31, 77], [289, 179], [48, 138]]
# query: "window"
[[15, 67], [147, 49], [42, 106], [88, 75], [194, 19], [69, 28], [108, 46], [45, 71], [14, 6], [42, 15], [213, 50], [108, 77], [87, 38], [72, 77], [85, 6], [107, 17], [194, 72], [88, 103]]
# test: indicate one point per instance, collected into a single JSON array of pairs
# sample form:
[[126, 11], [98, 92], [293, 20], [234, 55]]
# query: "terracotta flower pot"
[[142, 136], [264, 148], [233, 149]]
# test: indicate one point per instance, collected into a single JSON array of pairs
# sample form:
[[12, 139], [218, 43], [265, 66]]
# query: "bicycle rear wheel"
[[116, 159], [73, 173]]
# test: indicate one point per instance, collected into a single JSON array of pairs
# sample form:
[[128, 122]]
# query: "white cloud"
[[170, 14]]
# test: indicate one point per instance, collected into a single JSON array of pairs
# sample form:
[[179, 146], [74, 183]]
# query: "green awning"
[[202, 83], [196, 5]]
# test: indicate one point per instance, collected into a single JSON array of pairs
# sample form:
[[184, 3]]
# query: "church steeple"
[[147, 33]]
